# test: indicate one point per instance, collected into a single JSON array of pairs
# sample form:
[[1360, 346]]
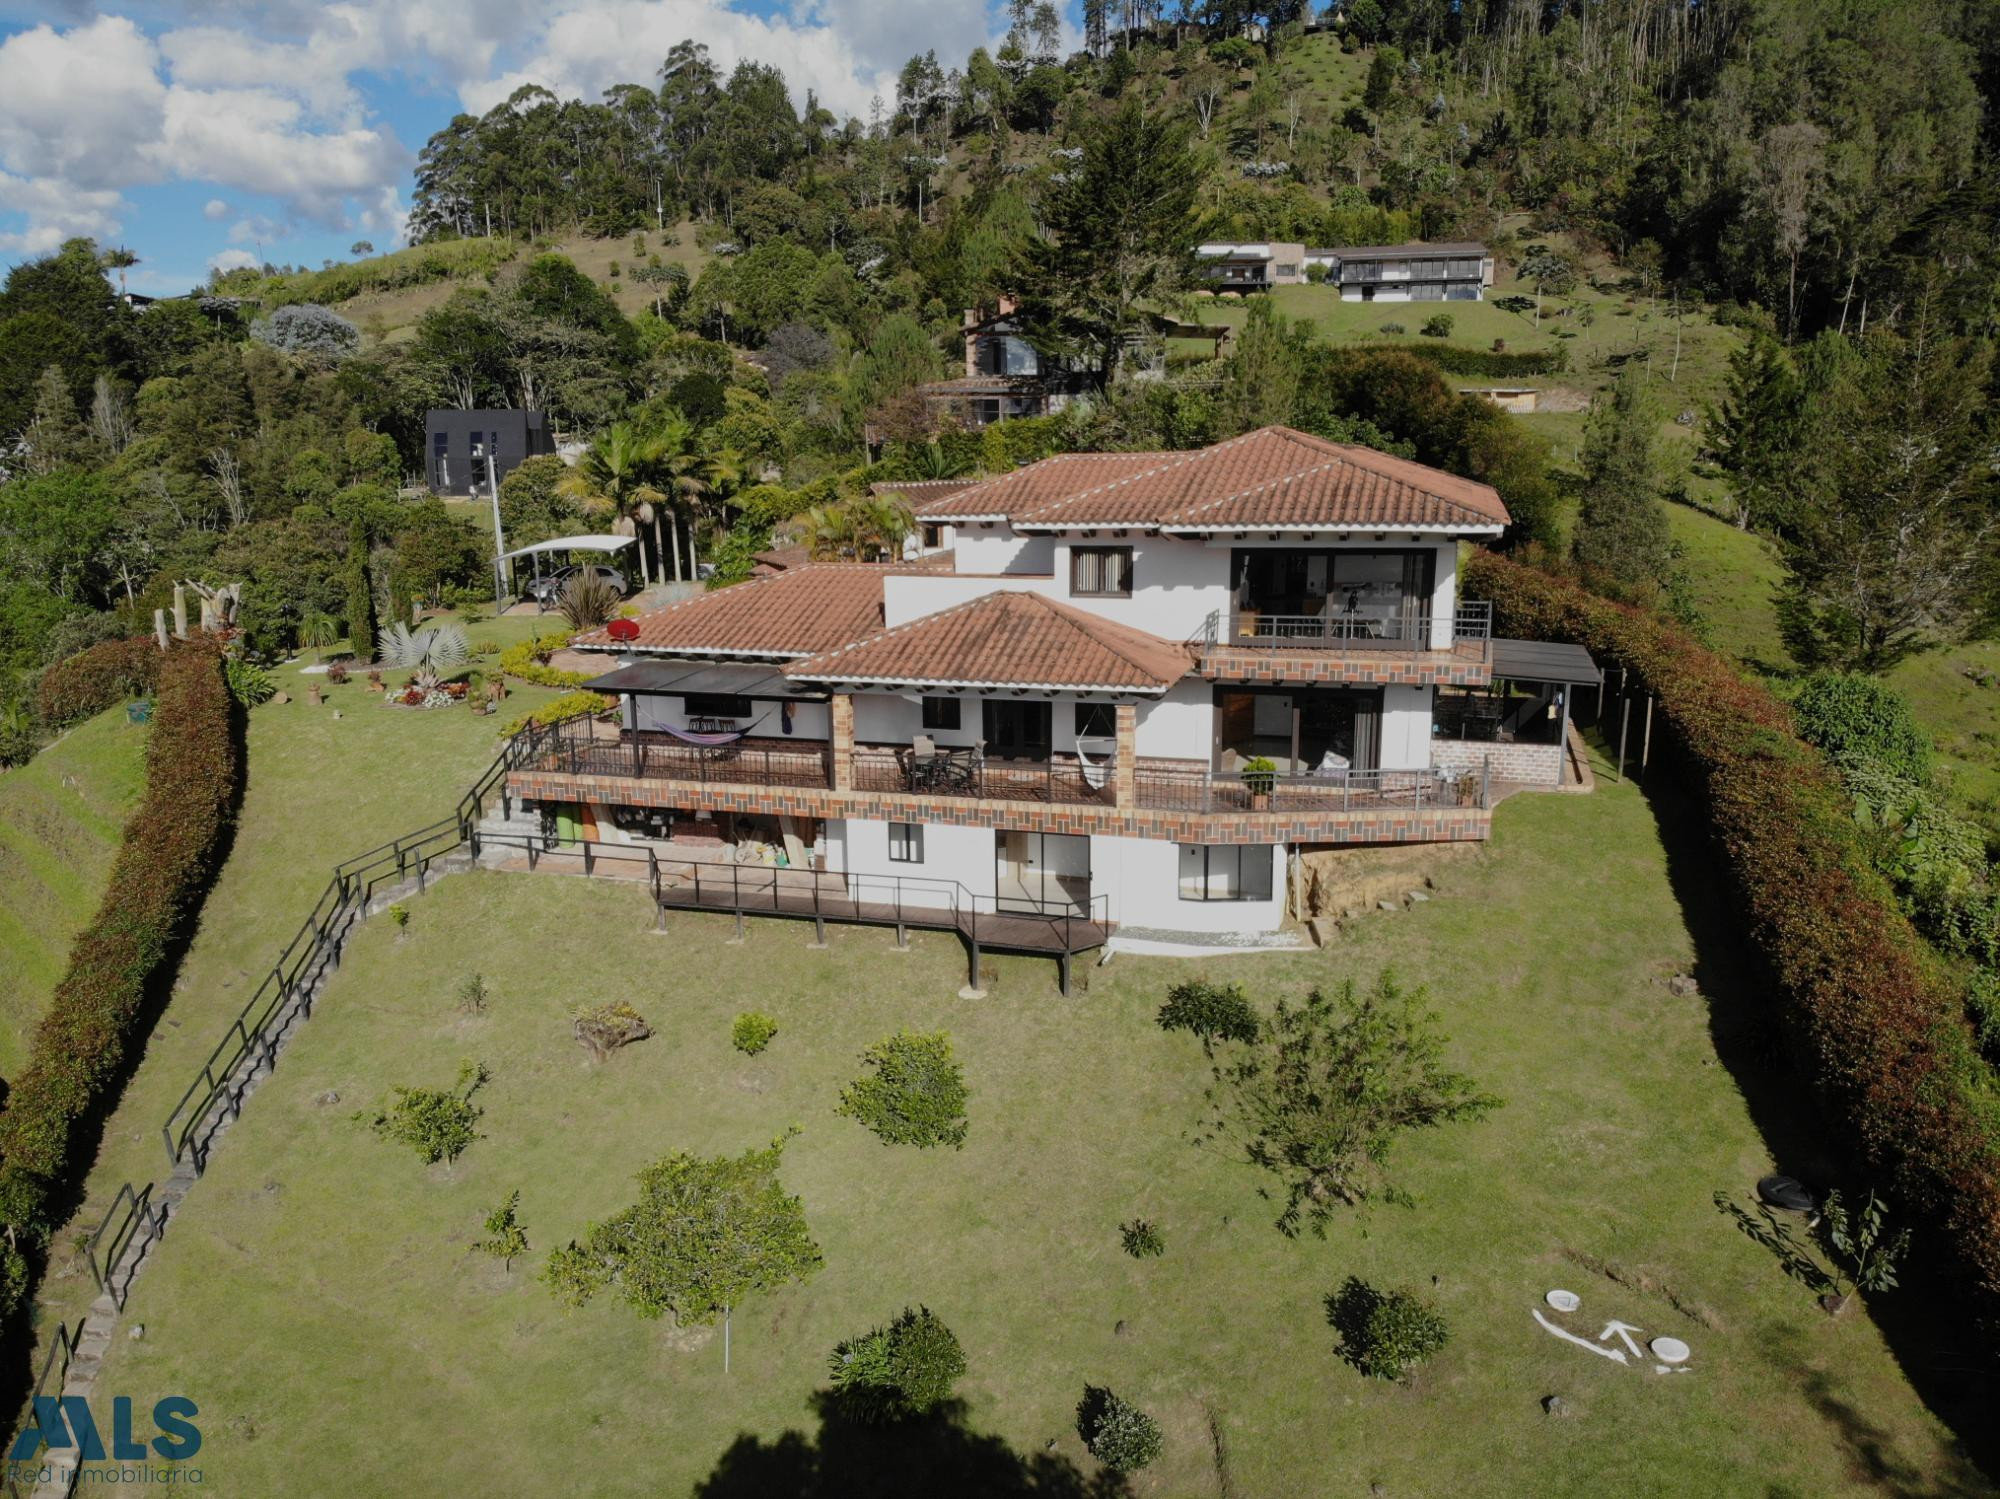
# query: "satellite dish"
[[623, 629]]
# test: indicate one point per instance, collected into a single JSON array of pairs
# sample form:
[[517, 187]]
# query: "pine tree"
[[55, 436], [1621, 531], [1757, 433], [360, 595]]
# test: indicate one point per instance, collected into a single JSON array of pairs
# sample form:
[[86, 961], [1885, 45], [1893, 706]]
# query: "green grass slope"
[[61, 816]]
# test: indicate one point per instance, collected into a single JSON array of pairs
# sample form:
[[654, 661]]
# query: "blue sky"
[[238, 131]]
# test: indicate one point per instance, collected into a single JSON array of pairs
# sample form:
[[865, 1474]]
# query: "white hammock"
[[1095, 755]]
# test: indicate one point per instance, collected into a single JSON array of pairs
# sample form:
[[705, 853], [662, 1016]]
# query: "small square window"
[[1100, 572], [906, 843], [941, 712], [717, 705]]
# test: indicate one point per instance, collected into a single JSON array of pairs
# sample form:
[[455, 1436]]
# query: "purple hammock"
[[711, 741]]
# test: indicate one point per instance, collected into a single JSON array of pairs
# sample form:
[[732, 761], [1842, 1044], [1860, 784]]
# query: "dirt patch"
[[1646, 1284], [1337, 881]]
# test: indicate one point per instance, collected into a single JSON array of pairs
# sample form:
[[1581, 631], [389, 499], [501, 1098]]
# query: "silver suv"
[[547, 589]]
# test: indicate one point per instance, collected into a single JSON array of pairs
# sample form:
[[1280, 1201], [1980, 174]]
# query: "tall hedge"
[[95, 679], [1877, 1015], [78, 1055], [1492, 364]]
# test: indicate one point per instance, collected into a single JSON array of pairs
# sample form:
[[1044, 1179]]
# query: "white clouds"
[[55, 211], [79, 105], [215, 210], [231, 260]]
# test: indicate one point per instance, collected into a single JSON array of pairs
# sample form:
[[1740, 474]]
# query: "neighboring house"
[[1408, 273], [465, 450], [1255, 266], [1005, 376], [1520, 398], [1134, 686]]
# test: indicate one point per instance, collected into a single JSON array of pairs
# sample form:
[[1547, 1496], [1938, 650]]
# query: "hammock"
[[1096, 772], [711, 741]]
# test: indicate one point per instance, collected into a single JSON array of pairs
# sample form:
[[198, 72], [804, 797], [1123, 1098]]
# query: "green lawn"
[[61, 818], [317, 1296], [318, 789]]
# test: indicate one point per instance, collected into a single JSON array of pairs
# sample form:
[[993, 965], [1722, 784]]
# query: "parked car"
[[547, 589]]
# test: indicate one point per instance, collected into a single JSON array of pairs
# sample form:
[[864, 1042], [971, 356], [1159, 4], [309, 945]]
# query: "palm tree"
[[828, 531], [883, 522], [119, 260], [428, 653], [614, 477]]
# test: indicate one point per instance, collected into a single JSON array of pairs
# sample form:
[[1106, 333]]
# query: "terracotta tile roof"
[[777, 559], [798, 612], [1024, 489], [1007, 639], [921, 492], [1274, 476]]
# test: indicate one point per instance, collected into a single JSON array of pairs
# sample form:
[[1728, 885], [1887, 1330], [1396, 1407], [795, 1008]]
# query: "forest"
[[1818, 177]]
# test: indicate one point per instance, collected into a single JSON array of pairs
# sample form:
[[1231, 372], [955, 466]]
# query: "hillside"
[[60, 820]]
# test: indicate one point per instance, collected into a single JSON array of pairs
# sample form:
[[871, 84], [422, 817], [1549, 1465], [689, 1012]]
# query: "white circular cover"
[[1670, 1350], [1564, 1301]]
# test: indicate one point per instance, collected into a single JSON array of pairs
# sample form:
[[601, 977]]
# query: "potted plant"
[[1260, 774]]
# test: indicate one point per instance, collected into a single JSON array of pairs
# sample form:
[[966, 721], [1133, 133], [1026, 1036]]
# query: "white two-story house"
[[1119, 687]]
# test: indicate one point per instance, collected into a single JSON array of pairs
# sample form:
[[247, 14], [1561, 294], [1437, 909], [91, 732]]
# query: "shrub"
[[1260, 774], [96, 679], [1878, 1023], [249, 684], [1852, 716], [905, 1369], [507, 1238], [1212, 1011], [587, 601], [1329, 1085], [529, 660], [603, 1029], [437, 1123], [80, 1047], [561, 710], [1118, 1434], [473, 994], [915, 1095], [1456, 359], [1384, 1334], [336, 673], [399, 915], [1393, 328], [1142, 1239], [752, 1032], [1438, 325]]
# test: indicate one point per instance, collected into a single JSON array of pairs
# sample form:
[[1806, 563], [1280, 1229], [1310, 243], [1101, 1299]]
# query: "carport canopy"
[[571, 544], [1544, 661]]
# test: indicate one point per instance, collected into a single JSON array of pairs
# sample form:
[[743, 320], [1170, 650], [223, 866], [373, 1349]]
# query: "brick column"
[[841, 742], [1125, 777]]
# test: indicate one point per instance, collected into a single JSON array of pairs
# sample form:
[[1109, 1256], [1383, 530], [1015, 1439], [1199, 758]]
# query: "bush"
[[1142, 1239], [1878, 1023], [1384, 1334], [603, 1029], [507, 1237], [588, 601], [1437, 325], [1260, 774], [916, 1094], [1852, 716], [437, 1123], [561, 710], [1393, 328], [249, 684], [164, 862], [893, 1373], [473, 994], [1457, 360], [96, 679], [529, 660], [1212, 1011], [752, 1032], [1118, 1434]]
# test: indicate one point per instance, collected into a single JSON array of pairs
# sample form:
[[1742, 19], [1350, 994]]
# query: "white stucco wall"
[[1176, 584], [963, 855], [1181, 725], [1406, 728], [1142, 878], [893, 718], [999, 550]]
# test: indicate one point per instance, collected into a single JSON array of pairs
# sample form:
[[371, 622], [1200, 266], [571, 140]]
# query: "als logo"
[[64, 1421]]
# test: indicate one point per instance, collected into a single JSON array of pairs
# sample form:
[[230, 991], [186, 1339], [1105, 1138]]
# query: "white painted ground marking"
[[1624, 1331], [1616, 1355]]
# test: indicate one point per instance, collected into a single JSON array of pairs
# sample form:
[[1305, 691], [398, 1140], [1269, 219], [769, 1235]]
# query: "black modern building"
[[457, 445]]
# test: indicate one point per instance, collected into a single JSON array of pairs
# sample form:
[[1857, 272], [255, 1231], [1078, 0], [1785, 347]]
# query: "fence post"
[[1624, 726], [1486, 782]]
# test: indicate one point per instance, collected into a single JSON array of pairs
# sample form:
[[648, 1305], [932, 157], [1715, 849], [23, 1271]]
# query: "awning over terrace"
[[678, 679], [1544, 661], [572, 544]]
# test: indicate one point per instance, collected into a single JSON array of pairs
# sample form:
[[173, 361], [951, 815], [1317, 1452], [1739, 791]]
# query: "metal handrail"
[[1252, 629], [139, 1210], [62, 1347], [1190, 790]]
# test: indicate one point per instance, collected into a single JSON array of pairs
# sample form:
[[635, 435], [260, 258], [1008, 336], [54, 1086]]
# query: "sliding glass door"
[[1303, 731]]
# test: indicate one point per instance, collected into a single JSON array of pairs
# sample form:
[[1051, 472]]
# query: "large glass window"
[[1228, 871], [716, 705], [906, 842], [1100, 572], [1096, 720], [941, 712]]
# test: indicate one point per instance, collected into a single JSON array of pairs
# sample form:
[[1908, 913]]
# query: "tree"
[[1118, 1434], [361, 247], [706, 1232], [309, 331], [1890, 551], [55, 437], [360, 595], [1621, 531], [1323, 1093], [614, 478], [1122, 232], [1263, 380], [898, 1372], [1756, 434], [915, 1094]]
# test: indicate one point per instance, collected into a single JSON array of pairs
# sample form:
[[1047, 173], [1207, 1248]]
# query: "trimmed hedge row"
[[80, 1047], [1456, 359], [1876, 1013], [518, 660], [95, 679]]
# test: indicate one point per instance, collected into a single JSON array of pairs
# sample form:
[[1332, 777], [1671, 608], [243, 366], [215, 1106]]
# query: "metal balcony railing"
[[1357, 632]]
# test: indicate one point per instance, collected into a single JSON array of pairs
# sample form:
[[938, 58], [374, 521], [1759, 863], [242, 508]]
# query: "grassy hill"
[[61, 816]]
